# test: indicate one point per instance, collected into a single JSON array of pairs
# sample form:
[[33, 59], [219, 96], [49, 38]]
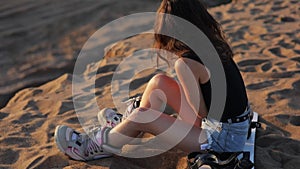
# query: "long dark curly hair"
[[196, 13]]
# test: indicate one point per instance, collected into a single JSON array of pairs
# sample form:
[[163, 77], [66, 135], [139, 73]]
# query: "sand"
[[39, 48]]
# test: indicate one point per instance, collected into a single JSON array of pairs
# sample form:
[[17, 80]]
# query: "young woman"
[[180, 95]]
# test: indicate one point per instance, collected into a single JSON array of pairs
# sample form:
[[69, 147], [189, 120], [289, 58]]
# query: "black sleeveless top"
[[236, 99]]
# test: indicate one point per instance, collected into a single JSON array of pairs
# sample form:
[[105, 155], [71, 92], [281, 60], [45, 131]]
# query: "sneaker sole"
[[56, 138]]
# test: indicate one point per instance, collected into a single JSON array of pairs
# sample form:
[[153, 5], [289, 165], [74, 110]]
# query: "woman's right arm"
[[189, 73]]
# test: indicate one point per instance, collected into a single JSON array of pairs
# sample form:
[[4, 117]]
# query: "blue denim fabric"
[[226, 137]]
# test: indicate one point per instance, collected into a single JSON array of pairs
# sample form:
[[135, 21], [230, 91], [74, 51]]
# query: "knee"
[[140, 115], [140, 110], [159, 80]]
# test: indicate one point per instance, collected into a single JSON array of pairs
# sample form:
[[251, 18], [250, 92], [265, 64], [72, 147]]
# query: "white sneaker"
[[81, 146], [132, 104], [109, 118]]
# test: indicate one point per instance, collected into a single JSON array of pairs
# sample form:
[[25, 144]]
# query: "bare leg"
[[160, 125], [162, 89]]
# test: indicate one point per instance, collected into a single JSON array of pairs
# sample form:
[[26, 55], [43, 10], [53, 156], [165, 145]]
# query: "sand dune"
[[40, 41], [41, 45]]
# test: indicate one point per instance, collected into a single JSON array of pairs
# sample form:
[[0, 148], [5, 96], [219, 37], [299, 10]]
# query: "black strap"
[[245, 162], [253, 125], [226, 160], [240, 119]]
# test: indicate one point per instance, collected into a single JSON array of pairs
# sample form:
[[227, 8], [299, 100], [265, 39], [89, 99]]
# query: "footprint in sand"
[[72, 120], [103, 81], [262, 85], [27, 129], [107, 68], [297, 51], [296, 86], [250, 64], [293, 96], [265, 17], [285, 119], [3, 115], [256, 11], [218, 15], [45, 162], [35, 161], [296, 41], [296, 59], [287, 19], [29, 117], [281, 66], [259, 3], [288, 74], [239, 34], [65, 106], [235, 10], [285, 44], [295, 120], [21, 142], [294, 1], [267, 66], [278, 2], [104, 69], [269, 36], [227, 21], [8, 156], [31, 105], [276, 8], [136, 83], [276, 51], [242, 46]]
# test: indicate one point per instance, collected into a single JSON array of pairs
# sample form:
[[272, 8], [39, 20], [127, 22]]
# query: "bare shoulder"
[[198, 69]]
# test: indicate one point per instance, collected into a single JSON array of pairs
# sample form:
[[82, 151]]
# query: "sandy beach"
[[41, 40]]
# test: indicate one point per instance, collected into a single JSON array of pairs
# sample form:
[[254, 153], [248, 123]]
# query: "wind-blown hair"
[[196, 13]]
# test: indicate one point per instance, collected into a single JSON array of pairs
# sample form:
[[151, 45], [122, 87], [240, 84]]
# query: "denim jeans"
[[226, 137]]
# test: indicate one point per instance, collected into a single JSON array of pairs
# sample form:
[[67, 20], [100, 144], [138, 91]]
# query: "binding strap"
[[253, 125], [226, 160]]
